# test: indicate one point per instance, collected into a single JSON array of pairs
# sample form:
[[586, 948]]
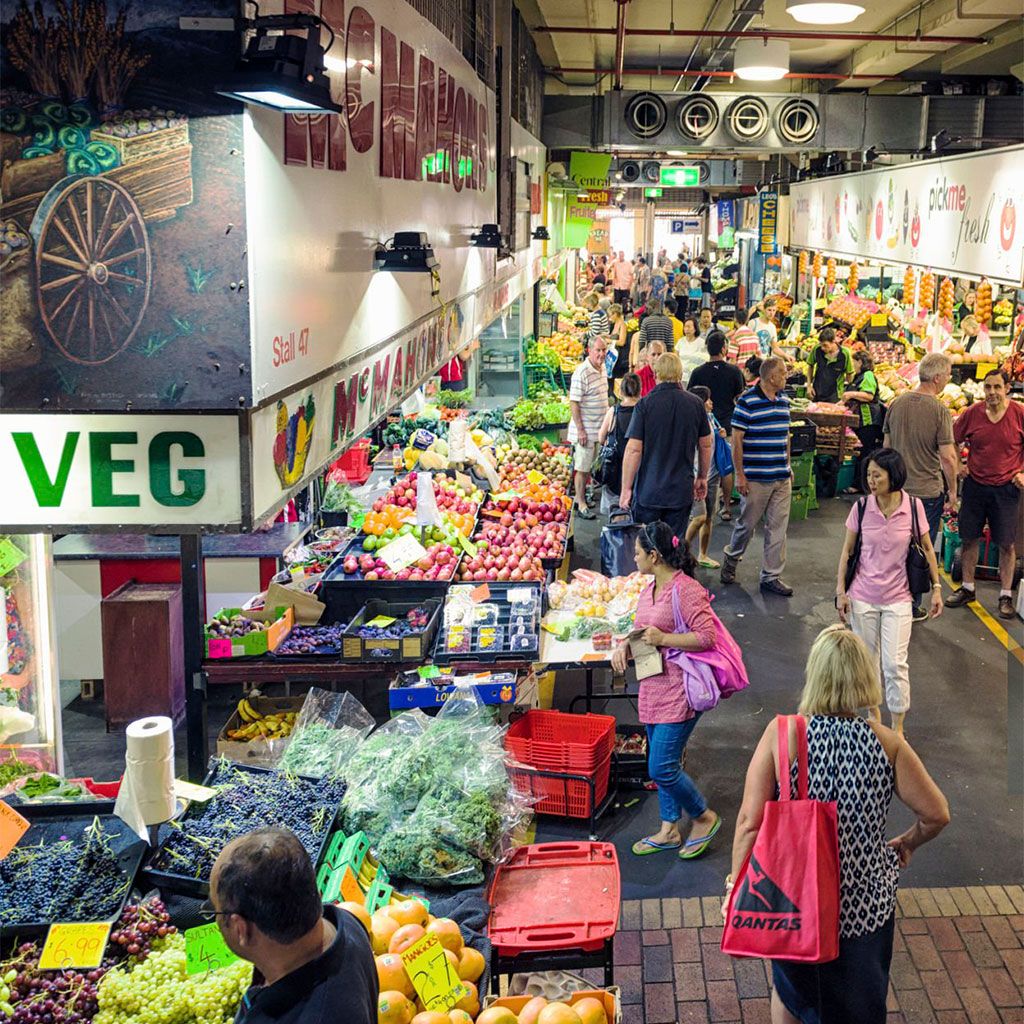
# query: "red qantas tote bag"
[[785, 903]]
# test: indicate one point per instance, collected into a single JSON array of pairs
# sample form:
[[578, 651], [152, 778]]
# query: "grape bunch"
[[140, 926], [160, 991], [245, 801], [62, 880], [51, 997]]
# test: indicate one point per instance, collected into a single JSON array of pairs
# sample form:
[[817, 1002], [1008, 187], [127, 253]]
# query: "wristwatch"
[[937, 586]]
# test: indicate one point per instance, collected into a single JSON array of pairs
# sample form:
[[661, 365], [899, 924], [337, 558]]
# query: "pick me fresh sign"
[[111, 469]]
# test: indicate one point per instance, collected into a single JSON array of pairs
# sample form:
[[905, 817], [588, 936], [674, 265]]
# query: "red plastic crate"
[[557, 741], [355, 463], [569, 798], [554, 896]]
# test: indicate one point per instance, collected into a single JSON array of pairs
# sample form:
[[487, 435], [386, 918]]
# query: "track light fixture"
[[541, 234], [409, 252], [488, 237]]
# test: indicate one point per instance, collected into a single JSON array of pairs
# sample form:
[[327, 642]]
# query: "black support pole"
[[193, 614]]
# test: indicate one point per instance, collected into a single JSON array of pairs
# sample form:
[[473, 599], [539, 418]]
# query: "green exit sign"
[[652, 193], [681, 177]]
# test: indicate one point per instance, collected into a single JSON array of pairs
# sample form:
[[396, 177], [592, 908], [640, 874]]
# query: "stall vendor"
[[830, 366], [964, 309], [975, 337]]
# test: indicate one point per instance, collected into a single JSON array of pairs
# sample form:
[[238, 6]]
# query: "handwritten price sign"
[[74, 945], [432, 976], [12, 827], [205, 949]]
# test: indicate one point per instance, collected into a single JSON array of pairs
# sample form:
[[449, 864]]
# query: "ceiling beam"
[[762, 33]]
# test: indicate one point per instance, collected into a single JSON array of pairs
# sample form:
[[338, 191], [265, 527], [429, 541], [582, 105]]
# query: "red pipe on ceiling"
[[854, 37], [669, 72], [620, 41]]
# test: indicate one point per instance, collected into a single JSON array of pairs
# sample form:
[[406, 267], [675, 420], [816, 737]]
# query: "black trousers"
[[676, 518]]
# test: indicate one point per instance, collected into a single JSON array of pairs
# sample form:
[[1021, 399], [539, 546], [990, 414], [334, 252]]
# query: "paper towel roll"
[[146, 796]]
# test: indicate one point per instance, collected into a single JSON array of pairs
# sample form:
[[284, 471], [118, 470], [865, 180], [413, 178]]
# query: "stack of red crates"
[[558, 742]]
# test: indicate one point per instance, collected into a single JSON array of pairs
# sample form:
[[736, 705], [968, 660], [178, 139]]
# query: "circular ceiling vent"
[[796, 121], [747, 118], [703, 172], [697, 117], [646, 115]]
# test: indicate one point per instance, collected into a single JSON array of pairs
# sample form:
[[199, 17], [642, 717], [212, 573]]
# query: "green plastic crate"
[[803, 470], [847, 475], [799, 505]]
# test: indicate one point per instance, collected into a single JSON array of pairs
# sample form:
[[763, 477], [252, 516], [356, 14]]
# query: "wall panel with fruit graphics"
[[122, 202], [957, 216]]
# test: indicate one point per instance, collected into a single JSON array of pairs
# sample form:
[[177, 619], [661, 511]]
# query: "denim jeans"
[[676, 791], [933, 510]]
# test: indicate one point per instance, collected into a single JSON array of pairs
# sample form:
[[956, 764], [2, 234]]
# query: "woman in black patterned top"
[[858, 764]]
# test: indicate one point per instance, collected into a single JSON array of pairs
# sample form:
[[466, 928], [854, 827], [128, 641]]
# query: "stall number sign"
[[12, 827], [205, 949], [432, 976], [74, 946]]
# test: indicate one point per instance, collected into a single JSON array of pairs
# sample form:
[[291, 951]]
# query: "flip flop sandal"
[[646, 846], [585, 513], [709, 563], [725, 515], [693, 848]]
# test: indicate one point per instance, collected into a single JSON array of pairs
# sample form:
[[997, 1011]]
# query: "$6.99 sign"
[[432, 976], [74, 945]]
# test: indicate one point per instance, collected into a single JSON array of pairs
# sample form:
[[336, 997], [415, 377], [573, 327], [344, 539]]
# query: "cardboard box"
[[260, 751], [307, 608], [609, 998], [252, 645]]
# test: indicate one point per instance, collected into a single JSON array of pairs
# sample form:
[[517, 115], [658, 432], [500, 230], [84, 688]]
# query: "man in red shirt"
[[994, 431]]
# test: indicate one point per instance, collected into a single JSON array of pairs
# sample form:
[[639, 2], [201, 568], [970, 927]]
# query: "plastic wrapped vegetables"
[[328, 731], [433, 795]]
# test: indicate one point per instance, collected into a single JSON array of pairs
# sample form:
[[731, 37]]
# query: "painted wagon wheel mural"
[[93, 268]]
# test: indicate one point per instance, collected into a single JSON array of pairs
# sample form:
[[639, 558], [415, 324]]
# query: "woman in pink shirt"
[[663, 705], [878, 604]]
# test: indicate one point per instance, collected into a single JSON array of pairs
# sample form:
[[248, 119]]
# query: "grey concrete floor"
[[958, 722]]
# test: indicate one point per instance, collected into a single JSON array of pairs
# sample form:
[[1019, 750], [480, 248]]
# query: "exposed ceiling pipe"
[[981, 17], [620, 40], [767, 33], [671, 72]]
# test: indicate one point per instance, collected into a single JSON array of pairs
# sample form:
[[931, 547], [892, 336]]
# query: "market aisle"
[[958, 722], [957, 957]]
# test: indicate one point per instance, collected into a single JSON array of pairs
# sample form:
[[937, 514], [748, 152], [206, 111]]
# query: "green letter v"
[[49, 493]]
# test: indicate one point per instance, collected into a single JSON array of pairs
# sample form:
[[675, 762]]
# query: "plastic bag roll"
[[146, 796]]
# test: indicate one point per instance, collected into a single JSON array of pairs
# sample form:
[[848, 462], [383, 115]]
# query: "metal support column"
[[193, 614]]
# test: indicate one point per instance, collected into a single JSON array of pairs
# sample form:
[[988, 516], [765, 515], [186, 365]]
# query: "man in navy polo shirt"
[[760, 453], [669, 427]]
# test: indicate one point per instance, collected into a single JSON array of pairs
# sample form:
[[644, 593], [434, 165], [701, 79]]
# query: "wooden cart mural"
[[86, 173], [93, 262]]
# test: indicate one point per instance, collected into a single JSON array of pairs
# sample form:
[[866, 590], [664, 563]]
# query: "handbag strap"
[[915, 533], [785, 789]]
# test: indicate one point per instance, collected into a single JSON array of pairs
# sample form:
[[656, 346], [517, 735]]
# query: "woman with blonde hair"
[[859, 765]]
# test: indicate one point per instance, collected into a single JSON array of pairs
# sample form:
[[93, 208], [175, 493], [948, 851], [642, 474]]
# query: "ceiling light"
[[833, 12], [410, 251], [283, 72], [675, 152], [761, 60]]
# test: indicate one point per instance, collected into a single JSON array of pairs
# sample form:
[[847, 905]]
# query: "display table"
[[91, 567]]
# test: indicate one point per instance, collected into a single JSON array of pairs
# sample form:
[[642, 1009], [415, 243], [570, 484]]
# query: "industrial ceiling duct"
[[697, 117], [796, 121], [747, 118], [630, 170], [652, 172], [646, 115]]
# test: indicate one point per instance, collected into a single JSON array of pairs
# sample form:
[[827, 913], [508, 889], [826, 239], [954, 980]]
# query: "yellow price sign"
[[985, 368], [536, 477], [879, 320], [74, 945], [432, 976]]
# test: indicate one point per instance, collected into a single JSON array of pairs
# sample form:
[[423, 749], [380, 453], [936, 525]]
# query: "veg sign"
[[120, 470]]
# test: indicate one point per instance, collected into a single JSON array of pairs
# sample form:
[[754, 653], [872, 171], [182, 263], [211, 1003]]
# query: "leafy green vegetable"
[[455, 399], [339, 498], [12, 769]]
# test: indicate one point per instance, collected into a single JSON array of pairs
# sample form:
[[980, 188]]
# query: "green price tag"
[[428, 671], [467, 545], [381, 620], [11, 556], [205, 949]]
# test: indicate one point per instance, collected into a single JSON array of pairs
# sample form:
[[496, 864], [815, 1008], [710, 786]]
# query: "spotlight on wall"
[[541, 234], [283, 72], [409, 252], [869, 156], [942, 140], [488, 237]]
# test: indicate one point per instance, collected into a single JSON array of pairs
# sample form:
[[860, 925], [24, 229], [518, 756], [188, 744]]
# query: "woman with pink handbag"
[[663, 705]]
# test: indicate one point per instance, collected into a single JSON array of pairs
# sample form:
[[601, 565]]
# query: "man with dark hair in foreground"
[[313, 963]]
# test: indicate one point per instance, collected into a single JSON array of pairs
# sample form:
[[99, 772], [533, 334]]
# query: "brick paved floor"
[[958, 959]]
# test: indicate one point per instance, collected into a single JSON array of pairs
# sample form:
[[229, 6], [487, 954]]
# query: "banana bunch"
[[257, 726], [368, 871]]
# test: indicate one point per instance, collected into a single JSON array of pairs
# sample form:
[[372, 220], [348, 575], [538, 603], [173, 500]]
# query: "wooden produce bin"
[[143, 652]]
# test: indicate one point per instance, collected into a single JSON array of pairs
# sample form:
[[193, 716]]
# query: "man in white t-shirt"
[[588, 400]]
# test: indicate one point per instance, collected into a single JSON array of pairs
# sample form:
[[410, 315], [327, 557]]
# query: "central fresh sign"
[[120, 470]]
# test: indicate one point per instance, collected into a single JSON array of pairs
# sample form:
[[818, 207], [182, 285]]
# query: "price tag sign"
[[536, 477], [205, 949], [466, 544], [12, 827], [74, 945], [432, 976], [480, 593], [190, 791], [401, 552], [463, 481], [983, 368], [350, 887], [218, 647], [11, 556], [428, 671], [879, 319], [381, 620]]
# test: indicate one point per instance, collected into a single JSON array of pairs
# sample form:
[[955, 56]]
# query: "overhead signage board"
[[726, 220], [652, 193], [174, 474], [686, 226], [680, 177], [956, 215], [767, 222]]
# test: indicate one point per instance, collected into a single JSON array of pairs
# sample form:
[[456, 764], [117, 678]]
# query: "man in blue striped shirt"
[[760, 452]]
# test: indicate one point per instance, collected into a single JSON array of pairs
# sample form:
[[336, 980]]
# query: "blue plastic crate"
[[402, 697]]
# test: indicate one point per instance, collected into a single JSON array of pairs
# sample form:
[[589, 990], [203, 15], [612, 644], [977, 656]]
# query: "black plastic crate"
[[803, 439], [49, 823], [198, 888], [414, 647]]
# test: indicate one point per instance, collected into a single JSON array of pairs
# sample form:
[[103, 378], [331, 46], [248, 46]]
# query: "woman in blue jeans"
[[663, 705]]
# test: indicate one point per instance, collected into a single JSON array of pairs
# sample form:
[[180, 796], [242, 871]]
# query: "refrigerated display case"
[[29, 683]]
